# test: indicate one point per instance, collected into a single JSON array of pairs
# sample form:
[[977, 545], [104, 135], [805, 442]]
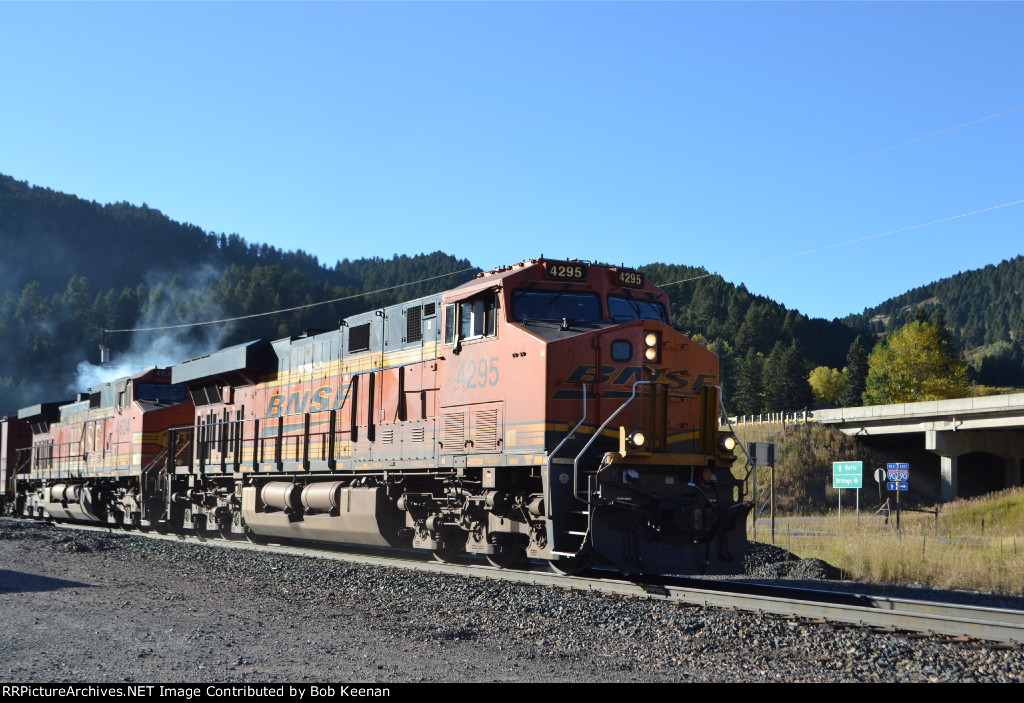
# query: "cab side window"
[[472, 318]]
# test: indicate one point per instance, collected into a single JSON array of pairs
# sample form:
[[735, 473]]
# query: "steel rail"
[[931, 617]]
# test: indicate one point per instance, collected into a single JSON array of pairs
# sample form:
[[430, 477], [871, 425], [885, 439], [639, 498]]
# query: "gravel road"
[[96, 607]]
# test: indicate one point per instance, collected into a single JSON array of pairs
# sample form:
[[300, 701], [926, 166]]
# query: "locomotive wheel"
[[451, 548], [223, 523], [166, 527], [570, 566], [508, 554]]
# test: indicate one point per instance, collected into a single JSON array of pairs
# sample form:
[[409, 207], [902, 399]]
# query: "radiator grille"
[[485, 429], [454, 437]]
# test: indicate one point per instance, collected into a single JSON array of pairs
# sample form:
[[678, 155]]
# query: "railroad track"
[[987, 624]]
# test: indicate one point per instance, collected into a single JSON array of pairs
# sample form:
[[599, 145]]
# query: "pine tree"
[[856, 373], [785, 378], [1001, 364], [726, 364], [748, 399]]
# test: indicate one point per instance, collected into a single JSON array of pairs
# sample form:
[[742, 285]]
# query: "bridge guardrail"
[[779, 418]]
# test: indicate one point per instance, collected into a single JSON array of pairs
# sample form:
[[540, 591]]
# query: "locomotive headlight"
[[636, 438], [727, 442], [652, 346]]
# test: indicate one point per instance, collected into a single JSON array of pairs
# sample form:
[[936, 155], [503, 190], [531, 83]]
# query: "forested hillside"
[[766, 350], [72, 268], [982, 307]]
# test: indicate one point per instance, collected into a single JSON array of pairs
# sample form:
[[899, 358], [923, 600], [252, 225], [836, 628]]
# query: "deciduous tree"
[[826, 384], [914, 363]]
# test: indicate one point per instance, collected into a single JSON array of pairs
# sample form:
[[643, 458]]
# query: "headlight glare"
[[637, 438]]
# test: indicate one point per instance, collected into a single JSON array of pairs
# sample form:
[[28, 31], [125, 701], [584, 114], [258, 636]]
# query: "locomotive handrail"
[[155, 461], [566, 439], [597, 433]]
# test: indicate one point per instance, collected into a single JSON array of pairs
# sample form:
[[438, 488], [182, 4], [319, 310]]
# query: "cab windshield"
[[554, 305], [161, 393], [625, 309]]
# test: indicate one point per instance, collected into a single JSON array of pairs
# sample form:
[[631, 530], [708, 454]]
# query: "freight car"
[[544, 410]]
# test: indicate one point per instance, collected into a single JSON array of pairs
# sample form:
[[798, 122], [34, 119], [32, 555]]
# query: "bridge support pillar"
[[1013, 470], [1007, 445], [947, 446]]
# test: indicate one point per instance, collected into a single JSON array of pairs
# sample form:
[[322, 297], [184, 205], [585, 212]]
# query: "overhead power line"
[[654, 219], [291, 309], [662, 285], [842, 244], [789, 179]]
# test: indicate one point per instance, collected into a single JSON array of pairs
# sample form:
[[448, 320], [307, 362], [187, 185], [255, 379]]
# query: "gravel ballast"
[[96, 607]]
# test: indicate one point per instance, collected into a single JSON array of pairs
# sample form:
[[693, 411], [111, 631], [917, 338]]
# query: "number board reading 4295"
[[565, 272], [630, 279]]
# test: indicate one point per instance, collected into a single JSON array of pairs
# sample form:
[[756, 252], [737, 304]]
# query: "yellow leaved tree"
[[826, 384], [916, 362]]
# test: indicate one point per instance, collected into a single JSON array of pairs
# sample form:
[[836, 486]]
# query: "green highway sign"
[[847, 474]]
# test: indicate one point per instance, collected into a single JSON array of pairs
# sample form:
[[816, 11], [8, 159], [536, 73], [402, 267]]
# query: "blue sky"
[[501, 131]]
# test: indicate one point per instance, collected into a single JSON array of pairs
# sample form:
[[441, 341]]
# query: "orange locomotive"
[[15, 445], [94, 459], [543, 410]]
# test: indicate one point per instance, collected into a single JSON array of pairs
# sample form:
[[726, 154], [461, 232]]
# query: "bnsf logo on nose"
[[627, 375]]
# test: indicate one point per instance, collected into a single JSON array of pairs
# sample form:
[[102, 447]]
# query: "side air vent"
[[454, 432], [413, 326], [485, 429], [206, 394], [359, 338]]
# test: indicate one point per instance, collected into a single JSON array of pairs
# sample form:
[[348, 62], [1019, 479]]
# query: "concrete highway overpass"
[[952, 428]]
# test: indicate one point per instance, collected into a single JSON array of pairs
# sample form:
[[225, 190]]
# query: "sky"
[[724, 135]]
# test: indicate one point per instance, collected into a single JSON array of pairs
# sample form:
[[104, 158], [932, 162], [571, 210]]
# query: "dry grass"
[[803, 469], [975, 545]]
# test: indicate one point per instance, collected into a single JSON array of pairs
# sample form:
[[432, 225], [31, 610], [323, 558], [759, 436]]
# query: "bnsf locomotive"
[[85, 460], [544, 410]]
